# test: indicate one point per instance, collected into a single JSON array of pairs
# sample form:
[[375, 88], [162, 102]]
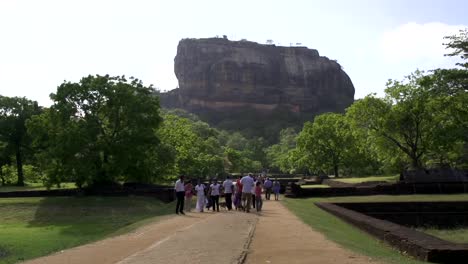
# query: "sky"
[[43, 43]]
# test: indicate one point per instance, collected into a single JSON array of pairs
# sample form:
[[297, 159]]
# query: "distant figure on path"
[[180, 194], [200, 189], [276, 189], [208, 195], [253, 191], [238, 196], [188, 196], [215, 195], [247, 186], [258, 196], [268, 187], [228, 190]]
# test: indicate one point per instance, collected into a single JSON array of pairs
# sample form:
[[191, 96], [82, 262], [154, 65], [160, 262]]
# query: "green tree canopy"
[[99, 130]]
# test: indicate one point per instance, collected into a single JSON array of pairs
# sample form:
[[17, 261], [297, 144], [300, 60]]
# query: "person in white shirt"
[[253, 192], [228, 190], [247, 187], [200, 189], [215, 194], [180, 194]]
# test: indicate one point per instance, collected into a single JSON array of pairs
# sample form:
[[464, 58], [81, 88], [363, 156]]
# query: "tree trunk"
[[335, 168], [19, 166]]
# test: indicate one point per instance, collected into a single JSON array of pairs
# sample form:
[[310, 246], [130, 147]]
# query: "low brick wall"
[[162, 193], [415, 214], [389, 189], [417, 244]]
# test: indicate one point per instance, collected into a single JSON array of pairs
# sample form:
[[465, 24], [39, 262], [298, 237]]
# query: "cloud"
[[413, 42]]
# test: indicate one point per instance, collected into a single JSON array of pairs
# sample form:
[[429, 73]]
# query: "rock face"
[[218, 78]]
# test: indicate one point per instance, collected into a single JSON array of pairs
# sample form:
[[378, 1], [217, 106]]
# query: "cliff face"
[[217, 76]]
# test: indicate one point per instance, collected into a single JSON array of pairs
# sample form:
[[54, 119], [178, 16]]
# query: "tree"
[[326, 142], [459, 44], [278, 155], [197, 150], [4, 160], [98, 131], [14, 112]]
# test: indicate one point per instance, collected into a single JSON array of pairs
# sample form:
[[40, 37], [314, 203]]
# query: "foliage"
[[99, 130], [31, 174], [279, 155], [459, 44], [196, 149], [327, 142], [14, 113]]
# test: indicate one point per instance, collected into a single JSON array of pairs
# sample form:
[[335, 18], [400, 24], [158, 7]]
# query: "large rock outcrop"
[[219, 78]]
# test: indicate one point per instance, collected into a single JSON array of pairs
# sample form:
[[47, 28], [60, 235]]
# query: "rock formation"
[[224, 80]]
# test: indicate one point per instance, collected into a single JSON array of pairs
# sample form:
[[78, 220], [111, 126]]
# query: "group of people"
[[246, 191]]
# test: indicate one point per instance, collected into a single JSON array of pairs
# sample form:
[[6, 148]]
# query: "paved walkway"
[[281, 237], [275, 236]]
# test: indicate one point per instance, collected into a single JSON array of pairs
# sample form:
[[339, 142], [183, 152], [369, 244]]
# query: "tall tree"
[[326, 142], [99, 130], [14, 112]]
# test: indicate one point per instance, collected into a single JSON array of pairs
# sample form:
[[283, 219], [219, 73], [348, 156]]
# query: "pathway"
[[275, 236], [281, 237]]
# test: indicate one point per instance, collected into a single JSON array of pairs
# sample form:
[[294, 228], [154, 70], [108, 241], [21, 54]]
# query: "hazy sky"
[[43, 43]]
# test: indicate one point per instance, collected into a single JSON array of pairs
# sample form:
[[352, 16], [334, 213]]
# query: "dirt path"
[[280, 237], [275, 236], [223, 238], [114, 249]]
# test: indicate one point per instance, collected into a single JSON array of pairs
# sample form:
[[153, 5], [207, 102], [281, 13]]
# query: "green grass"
[[456, 235], [32, 227], [390, 179], [311, 186], [353, 238], [36, 187]]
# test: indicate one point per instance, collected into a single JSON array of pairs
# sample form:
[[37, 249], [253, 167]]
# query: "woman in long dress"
[[200, 189]]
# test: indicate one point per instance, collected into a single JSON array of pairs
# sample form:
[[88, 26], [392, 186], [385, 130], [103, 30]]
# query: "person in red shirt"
[[258, 196]]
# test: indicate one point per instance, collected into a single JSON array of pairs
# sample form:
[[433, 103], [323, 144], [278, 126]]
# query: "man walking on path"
[[247, 187], [268, 185], [180, 194], [228, 189]]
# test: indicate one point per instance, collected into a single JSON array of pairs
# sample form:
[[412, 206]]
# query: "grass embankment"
[[456, 235], [36, 187], [311, 186], [32, 227], [390, 179], [353, 238]]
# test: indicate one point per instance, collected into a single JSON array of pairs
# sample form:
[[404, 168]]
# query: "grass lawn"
[[310, 186], [457, 235], [353, 238], [32, 227], [36, 187], [390, 179]]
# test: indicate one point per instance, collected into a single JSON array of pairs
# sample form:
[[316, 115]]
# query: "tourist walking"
[[276, 189], [215, 195], [268, 187], [238, 195], [247, 186], [188, 196], [200, 189], [258, 196], [253, 192], [228, 190], [180, 194]]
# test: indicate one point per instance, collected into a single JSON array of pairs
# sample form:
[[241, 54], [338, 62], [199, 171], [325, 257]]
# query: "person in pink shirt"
[[258, 196]]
